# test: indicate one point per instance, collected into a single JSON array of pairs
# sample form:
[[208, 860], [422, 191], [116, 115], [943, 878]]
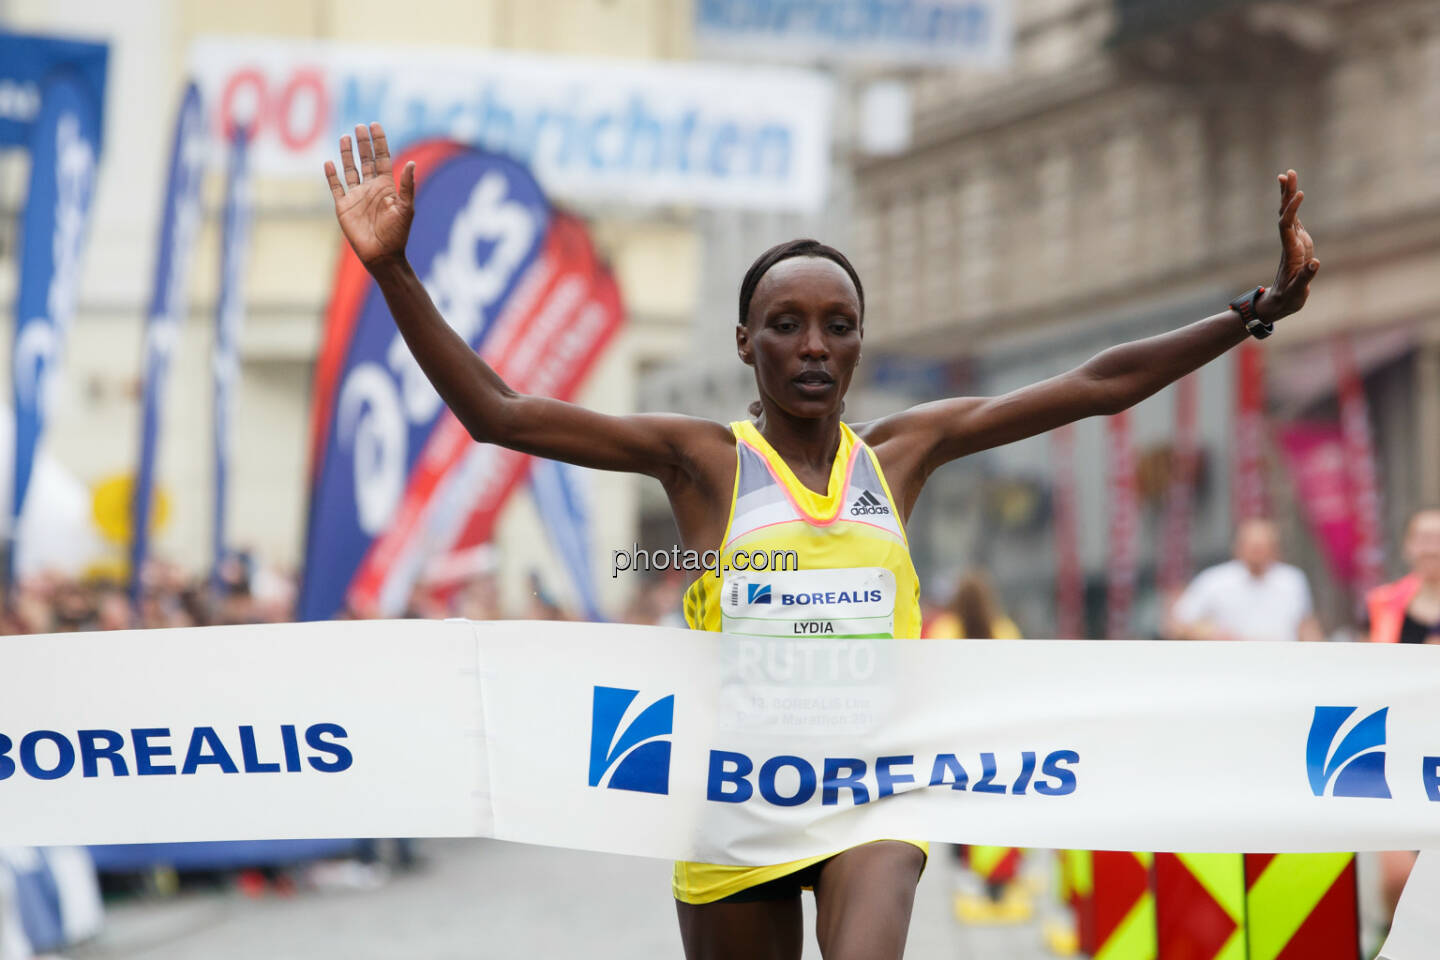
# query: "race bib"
[[856, 603]]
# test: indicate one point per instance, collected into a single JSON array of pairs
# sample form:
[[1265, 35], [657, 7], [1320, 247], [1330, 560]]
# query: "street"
[[488, 899]]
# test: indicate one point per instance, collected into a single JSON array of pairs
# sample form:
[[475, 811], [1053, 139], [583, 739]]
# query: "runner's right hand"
[[374, 216]]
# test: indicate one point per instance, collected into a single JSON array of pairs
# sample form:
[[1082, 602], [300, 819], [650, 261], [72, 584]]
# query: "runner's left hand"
[[1298, 265]]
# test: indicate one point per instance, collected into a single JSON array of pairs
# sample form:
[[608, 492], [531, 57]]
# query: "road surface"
[[488, 899]]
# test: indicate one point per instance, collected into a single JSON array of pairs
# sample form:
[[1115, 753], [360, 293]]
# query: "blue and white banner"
[[179, 230], [63, 156], [480, 224], [27, 62], [230, 316], [603, 130], [49, 900], [945, 33], [673, 743], [560, 497]]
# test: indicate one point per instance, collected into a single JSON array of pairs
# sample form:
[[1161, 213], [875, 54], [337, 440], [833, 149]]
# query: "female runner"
[[796, 477]]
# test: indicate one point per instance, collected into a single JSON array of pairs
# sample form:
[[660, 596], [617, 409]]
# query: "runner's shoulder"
[[896, 426]]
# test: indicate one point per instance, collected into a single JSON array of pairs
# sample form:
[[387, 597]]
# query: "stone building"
[[1118, 181]]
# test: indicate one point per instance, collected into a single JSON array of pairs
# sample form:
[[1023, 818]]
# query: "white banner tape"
[[1416, 928], [672, 743], [339, 729]]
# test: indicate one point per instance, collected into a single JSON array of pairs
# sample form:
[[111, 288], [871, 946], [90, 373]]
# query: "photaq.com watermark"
[[638, 559]]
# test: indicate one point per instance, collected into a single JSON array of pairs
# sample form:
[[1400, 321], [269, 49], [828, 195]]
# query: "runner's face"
[[803, 335]]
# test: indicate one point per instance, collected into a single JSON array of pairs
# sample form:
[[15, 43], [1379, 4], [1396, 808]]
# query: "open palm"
[[374, 215]]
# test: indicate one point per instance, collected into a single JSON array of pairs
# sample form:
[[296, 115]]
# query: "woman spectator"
[[1408, 611]]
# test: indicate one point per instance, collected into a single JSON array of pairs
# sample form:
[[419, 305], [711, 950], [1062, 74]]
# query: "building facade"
[[1119, 180]]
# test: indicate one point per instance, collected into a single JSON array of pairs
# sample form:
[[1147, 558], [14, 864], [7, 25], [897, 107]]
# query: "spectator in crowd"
[[656, 601], [542, 604], [974, 612], [30, 610], [112, 608], [1408, 611], [424, 605], [1252, 597], [479, 598]]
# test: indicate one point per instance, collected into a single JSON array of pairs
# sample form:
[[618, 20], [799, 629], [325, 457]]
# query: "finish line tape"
[[673, 743]]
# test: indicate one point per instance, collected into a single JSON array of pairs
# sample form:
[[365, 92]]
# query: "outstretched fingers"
[[347, 160], [337, 190], [367, 153], [1288, 214], [382, 150], [1289, 183]]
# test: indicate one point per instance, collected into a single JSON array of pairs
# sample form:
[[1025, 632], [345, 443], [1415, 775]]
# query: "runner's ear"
[[756, 408]]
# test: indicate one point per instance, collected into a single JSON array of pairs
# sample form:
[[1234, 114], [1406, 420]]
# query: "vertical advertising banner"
[[1248, 497], [27, 62], [544, 343], [229, 317], [1069, 579], [560, 498], [1124, 527], [179, 227], [1316, 456], [63, 154], [552, 361], [1174, 568], [1360, 460], [480, 223]]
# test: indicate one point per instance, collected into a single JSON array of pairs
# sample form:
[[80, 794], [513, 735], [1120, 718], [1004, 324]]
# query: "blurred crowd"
[[1254, 596], [246, 590], [241, 591]]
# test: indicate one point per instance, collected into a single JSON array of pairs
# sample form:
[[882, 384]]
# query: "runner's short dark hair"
[[803, 247]]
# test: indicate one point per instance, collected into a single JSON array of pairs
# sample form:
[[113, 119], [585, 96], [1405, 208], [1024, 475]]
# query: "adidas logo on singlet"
[[868, 503]]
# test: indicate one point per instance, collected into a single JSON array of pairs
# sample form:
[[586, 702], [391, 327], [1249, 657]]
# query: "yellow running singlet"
[[855, 527]]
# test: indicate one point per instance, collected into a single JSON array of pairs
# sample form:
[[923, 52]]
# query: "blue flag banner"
[[64, 149], [480, 222], [559, 492], [27, 61], [230, 315], [178, 232]]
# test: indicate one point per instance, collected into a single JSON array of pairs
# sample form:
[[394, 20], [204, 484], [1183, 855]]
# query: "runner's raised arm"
[[375, 217], [934, 433]]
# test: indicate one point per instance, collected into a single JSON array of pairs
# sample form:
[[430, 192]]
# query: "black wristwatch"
[[1245, 306]]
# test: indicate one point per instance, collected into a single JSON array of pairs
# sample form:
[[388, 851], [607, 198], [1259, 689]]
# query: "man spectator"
[[1252, 597]]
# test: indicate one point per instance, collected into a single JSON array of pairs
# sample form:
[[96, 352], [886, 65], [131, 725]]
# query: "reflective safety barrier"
[[671, 743], [1121, 906], [1222, 906], [997, 866], [1200, 906]]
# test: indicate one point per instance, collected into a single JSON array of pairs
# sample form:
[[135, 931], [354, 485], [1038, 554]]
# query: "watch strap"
[[1245, 306]]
